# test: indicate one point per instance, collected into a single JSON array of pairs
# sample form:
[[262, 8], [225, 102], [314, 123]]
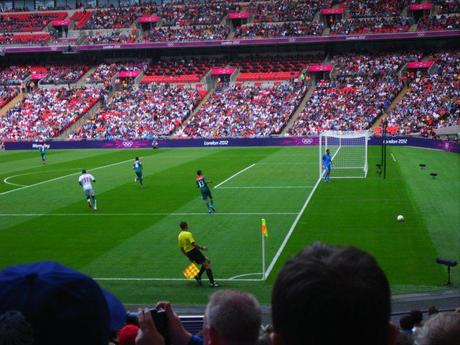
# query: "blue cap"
[[63, 306]]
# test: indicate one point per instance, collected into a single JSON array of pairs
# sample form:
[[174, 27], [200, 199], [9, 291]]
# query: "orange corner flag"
[[191, 271], [264, 228]]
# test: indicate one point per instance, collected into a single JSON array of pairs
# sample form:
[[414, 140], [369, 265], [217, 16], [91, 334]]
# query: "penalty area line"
[[234, 175]]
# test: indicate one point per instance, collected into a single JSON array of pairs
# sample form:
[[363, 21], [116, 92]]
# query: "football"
[[400, 218]]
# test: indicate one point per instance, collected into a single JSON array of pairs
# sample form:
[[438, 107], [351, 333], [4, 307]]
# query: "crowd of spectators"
[[28, 21], [142, 112], [174, 66], [99, 37], [448, 6], [186, 33], [105, 71], [14, 74], [363, 89], [44, 113], [433, 98], [7, 93], [114, 18], [365, 25], [245, 111], [439, 22], [373, 8], [286, 10], [206, 13], [287, 29], [64, 74]]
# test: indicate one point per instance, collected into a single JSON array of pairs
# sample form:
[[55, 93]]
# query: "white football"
[[400, 218]]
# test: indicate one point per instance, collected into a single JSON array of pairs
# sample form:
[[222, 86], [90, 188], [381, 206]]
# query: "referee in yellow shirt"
[[191, 250]]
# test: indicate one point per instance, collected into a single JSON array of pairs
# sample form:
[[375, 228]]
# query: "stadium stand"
[[433, 99], [180, 69], [289, 29], [364, 25], [447, 6], [439, 22], [63, 74], [99, 37], [44, 113], [188, 33], [28, 22], [14, 75], [25, 39], [373, 8], [7, 93], [142, 112], [286, 10], [364, 87], [237, 111]]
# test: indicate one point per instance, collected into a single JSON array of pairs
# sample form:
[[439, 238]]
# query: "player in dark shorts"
[[202, 184], [192, 251]]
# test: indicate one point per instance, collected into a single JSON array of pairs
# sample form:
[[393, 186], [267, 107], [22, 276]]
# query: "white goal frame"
[[349, 150]]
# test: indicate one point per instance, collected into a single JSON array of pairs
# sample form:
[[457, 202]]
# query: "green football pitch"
[[130, 243]]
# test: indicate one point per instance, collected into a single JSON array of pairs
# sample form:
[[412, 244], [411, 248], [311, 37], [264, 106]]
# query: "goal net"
[[348, 151]]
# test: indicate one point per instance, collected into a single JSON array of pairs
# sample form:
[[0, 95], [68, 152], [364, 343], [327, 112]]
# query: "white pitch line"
[[291, 230], [234, 175], [392, 156], [245, 275], [5, 180], [90, 214], [294, 224], [174, 279], [267, 187], [61, 177]]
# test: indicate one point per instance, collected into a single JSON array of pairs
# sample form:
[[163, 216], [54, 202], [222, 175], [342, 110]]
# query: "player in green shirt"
[[137, 167], [202, 184], [42, 149]]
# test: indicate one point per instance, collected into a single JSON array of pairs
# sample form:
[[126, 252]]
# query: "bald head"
[[235, 316]]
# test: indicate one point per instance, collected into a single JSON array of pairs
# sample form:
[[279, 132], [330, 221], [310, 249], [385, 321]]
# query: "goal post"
[[348, 151]]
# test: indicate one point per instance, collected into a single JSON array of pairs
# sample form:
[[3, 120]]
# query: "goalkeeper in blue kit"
[[327, 164], [137, 167]]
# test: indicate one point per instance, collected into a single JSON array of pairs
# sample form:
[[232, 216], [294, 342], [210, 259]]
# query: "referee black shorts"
[[196, 256]]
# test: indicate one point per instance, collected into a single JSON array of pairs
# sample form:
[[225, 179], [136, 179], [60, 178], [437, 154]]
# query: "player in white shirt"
[[86, 181]]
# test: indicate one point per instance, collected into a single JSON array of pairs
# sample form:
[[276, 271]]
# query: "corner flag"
[[191, 271], [263, 228]]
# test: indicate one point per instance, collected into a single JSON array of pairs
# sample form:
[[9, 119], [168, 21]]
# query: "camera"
[[159, 318]]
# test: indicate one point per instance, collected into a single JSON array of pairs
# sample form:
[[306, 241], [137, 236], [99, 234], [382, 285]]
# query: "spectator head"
[[441, 329], [14, 329], [63, 306], [127, 335], [329, 295], [232, 318], [406, 323], [183, 225], [417, 317]]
